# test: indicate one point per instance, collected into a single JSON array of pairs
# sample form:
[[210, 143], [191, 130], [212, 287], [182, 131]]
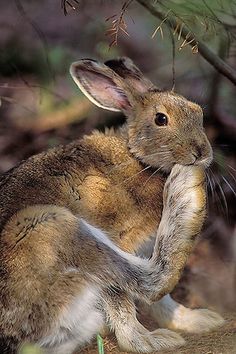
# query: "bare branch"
[[205, 52], [118, 24], [66, 3]]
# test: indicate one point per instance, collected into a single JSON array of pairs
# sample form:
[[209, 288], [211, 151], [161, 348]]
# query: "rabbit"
[[72, 219]]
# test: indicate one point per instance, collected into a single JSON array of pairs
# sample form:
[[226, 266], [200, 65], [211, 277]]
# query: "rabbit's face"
[[167, 129], [163, 128]]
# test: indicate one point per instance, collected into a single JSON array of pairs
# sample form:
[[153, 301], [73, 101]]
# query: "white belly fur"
[[78, 323]]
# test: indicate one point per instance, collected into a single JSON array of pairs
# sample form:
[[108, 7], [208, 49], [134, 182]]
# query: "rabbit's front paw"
[[185, 195], [184, 182]]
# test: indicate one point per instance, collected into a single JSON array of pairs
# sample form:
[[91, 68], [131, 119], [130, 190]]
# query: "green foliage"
[[59, 59], [206, 19], [17, 58]]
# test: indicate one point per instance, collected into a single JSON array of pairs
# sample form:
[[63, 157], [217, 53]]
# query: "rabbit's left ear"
[[131, 74], [101, 85]]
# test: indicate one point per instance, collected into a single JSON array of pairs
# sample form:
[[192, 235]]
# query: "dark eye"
[[161, 119]]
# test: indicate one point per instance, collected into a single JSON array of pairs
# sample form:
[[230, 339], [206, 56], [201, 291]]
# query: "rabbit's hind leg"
[[169, 314], [120, 315], [46, 295]]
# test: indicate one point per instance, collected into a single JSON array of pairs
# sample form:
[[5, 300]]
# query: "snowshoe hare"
[[72, 219]]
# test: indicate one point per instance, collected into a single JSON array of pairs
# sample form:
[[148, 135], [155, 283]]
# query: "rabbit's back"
[[95, 178]]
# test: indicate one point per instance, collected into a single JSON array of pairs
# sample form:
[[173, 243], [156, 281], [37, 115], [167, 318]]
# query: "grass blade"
[[100, 344]]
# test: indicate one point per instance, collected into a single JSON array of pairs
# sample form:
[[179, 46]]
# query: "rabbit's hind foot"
[[120, 313], [169, 314]]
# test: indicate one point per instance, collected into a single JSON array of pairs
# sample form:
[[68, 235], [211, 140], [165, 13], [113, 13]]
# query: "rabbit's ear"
[[133, 77], [101, 85]]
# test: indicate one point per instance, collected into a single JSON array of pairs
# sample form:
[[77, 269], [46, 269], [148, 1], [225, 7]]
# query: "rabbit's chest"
[[128, 212]]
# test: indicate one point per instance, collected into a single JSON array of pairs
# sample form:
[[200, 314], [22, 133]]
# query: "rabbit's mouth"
[[196, 161], [202, 159], [206, 162]]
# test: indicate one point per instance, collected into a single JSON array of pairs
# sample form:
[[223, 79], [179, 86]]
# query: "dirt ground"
[[221, 341]]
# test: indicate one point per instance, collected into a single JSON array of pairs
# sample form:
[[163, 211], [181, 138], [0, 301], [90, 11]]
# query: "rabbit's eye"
[[161, 119]]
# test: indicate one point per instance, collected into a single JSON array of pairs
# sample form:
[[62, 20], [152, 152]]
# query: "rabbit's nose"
[[197, 152]]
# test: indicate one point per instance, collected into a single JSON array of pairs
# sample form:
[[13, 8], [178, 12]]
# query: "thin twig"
[[118, 24], [203, 49], [73, 5], [173, 58], [40, 34]]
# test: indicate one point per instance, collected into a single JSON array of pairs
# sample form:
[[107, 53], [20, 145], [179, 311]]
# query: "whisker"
[[216, 190], [232, 168], [126, 163], [216, 179], [231, 174], [222, 145], [229, 185], [210, 185], [224, 166], [123, 164], [136, 174], [224, 178], [156, 153], [207, 183], [158, 169], [224, 198]]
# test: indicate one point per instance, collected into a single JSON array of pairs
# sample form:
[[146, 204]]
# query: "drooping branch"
[[212, 58]]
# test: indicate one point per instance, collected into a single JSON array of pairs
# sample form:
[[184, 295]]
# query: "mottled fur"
[[69, 216]]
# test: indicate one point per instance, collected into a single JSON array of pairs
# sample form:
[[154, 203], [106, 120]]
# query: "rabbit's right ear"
[[101, 85]]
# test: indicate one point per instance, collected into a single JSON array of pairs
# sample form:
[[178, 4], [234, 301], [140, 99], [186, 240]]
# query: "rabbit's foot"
[[170, 314], [132, 336], [139, 339], [193, 321]]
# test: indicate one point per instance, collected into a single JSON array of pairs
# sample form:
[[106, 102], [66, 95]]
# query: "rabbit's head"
[[163, 128]]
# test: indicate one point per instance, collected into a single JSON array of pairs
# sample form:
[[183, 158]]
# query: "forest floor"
[[220, 341]]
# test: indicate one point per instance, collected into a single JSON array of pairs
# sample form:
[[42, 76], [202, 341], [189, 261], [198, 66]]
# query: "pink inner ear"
[[104, 90]]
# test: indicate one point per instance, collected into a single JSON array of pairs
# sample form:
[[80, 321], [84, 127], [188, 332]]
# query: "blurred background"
[[41, 107]]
